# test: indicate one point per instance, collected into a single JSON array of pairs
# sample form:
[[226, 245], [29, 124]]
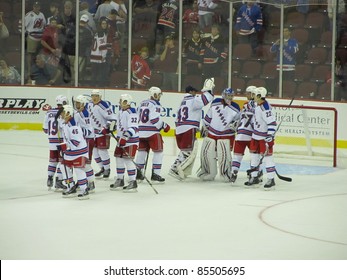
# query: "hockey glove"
[[112, 125], [122, 142], [233, 125], [269, 138], [105, 131], [208, 85], [203, 131], [62, 147], [166, 127]]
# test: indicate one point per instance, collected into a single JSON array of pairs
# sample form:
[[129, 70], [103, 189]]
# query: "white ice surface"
[[305, 219]]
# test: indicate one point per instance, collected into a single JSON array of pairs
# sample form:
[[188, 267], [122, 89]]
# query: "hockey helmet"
[[228, 94], [81, 99], [61, 100], [126, 98], [68, 110], [261, 91], [251, 89], [96, 92], [155, 92]]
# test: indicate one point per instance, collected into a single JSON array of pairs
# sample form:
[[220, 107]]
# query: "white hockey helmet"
[[228, 94], [155, 91], [81, 99], [61, 100], [68, 110], [261, 91], [96, 92], [251, 89], [126, 97]]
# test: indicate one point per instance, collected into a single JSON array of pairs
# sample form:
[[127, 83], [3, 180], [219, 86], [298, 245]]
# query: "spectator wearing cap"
[[169, 64], [187, 124], [85, 44], [141, 73], [34, 22], [84, 10]]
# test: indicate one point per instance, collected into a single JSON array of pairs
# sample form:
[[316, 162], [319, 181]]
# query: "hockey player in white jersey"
[[127, 144], [51, 128], [244, 132], [220, 122], [262, 140], [75, 154], [187, 124], [82, 117], [150, 125], [101, 116]]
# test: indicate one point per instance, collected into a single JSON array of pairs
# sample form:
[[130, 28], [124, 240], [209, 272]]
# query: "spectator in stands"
[[206, 12], [192, 53], [340, 81], [103, 10], [169, 64], [50, 42], [100, 63], [290, 48], [54, 9], [43, 73], [34, 23], [141, 73], [8, 74], [121, 18], [84, 10], [68, 30], [4, 34], [213, 53], [191, 16], [167, 24], [85, 44], [249, 21]]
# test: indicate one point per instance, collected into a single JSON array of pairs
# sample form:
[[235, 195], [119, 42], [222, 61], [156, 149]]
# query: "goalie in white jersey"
[[128, 141], [244, 132], [262, 142], [220, 122], [150, 125], [187, 124], [101, 116]]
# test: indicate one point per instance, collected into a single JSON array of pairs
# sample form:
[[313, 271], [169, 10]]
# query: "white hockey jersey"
[[34, 25], [264, 121], [150, 121], [245, 128], [76, 144], [189, 113], [127, 121], [51, 128], [99, 49], [220, 116], [99, 115], [83, 120]]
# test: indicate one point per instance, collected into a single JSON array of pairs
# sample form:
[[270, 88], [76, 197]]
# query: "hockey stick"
[[137, 166]]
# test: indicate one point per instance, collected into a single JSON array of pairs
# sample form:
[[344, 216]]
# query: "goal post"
[[306, 132]]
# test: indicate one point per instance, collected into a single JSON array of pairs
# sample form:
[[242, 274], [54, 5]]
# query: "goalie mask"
[[228, 95], [61, 100]]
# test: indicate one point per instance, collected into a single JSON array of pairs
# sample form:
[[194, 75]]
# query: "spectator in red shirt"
[[141, 73]]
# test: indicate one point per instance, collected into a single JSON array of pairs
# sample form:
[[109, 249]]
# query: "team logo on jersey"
[[32, 104]]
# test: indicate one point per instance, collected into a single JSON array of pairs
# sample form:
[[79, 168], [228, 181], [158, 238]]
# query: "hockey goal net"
[[306, 133]]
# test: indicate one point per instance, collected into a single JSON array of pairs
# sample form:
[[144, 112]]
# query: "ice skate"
[[50, 182], [118, 184], [157, 178], [100, 173], [174, 173], [131, 187], [252, 182], [70, 192], [270, 185], [91, 187], [139, 175], [233, 176], [106, 173], [84, 195], [59, 186]]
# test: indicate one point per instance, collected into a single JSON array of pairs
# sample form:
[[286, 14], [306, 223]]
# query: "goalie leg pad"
[[208, 160], [185, 168], [224, 158]]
